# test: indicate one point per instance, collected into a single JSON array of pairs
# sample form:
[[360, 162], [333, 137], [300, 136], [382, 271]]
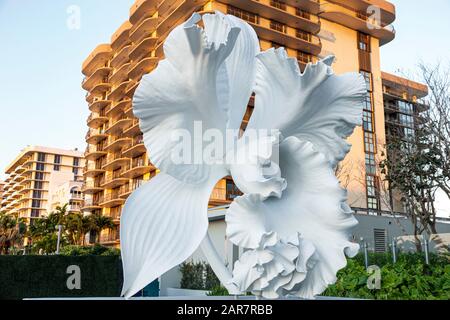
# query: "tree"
[[101, 223], [12, 231]]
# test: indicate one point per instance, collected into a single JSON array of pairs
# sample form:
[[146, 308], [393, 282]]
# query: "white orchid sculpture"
[[293, 220]]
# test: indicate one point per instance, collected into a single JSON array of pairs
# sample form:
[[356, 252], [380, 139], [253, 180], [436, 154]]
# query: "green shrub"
[[46, 276], [96, 250], [198, 276], [408, 279], [218, 291]]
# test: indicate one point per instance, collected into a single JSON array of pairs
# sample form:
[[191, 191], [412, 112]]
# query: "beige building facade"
[[34, 178], [351, 30]]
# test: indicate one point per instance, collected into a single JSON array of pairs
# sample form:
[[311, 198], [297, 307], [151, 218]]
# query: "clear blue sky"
[[41, 99]]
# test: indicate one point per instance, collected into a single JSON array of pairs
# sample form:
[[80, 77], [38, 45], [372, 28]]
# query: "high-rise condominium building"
[[2, 187], [117, 161], [35, 176], [402, 108]]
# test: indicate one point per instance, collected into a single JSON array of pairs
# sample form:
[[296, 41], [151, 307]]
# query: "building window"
[[278, 4], [406, 120], [277, 45], [302, 13], [37, 194], [36, 203], [363, 42], [40, 166], [34, 213], [278, 26], [369, 142], [406, 107], [370, 164], [368, 102], [303, 35], [368, 78], [231, 190], [57, 162], [41, 157], [367, 121], [244, 15], [39, 176], [304, 57], [38, 185]]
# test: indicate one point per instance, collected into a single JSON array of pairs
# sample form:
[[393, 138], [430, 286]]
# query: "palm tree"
[[99, 223], [12, 230]]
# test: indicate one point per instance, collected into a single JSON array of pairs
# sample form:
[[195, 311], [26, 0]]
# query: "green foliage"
[[218, 291], [198, 276], [46, 276], [408, 279], [97, 250]]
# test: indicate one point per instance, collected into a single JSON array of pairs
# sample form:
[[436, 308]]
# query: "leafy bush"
[[408, 279], [218, 291], [96, 250], [198, 276]]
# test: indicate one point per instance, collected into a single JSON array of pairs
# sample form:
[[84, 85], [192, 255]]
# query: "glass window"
[[370, 163], [36, 203], [302, 13], [367, 121], [39, 176], [278, 26], [368, 78], [40, 166], [304, 57], [368, 102], [244, 15], [278, 4], [363, 42], [41, 157], [232, 191], [369, 142], [303, 35]]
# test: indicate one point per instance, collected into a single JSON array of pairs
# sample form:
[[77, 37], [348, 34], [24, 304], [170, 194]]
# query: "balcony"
[[173, 12], [142, 67], [121, 37], [94, 169], [94, 136], [117, 143], [312, 6], [357, 21], [19, 169], [96, 120], [133, 129], [142, 9], [120, 75], [98, 75], [119, 107], [100, 88], [290, 38], [131, 88], [114, 180], [143, 29], [118, 91], [135, 148], [112, 200], [143, 48], [115, 161], [93, 152], [387, 9], [98, 104], [91, 187], [110, 238], [121, 57], [74, 208], [286, 14], [99, 57], [137, 167], [116, 126], [91, 204]]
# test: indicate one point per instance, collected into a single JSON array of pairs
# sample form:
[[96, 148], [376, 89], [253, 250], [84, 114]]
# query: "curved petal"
[[162, 224], [313, 205], [316, 106], [181, 94], [236, 76]]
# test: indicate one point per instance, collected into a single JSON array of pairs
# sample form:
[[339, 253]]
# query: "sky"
[[43, 47]]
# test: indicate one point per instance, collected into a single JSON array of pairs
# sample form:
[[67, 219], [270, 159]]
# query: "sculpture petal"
[[236, 76], [181, 92], [316, 106], [312, 205], [162, 224]]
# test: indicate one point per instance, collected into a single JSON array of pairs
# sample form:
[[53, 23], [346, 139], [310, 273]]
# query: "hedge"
[[46, 276]]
